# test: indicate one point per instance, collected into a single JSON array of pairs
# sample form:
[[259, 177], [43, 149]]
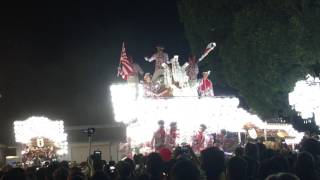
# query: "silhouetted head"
[[311, 145], [75, 173], [305, 160], [15, 174], [239, 151], [60, 174], [124, 169], [212, 161], [51, 168], [131, 163], [305, 166], [154, 164], [236, 168], [282, 176], [185, 170], [100, 175], [273, 165], [138, 158], [64, 164], [77, 177], [251, 150], [41, 173]]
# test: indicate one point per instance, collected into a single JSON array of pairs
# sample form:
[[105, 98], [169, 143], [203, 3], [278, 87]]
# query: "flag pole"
[[120, 59]]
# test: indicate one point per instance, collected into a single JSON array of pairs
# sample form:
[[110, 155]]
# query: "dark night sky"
[[58, 59]]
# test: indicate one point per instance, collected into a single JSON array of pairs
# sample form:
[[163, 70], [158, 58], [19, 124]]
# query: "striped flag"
[[208, 49], [125, 66]]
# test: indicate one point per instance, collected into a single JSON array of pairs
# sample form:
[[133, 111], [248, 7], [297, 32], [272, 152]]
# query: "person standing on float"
[[158, 139], [198, 140], [172, 136], [150, 89], [192, 70], [160, 57], [137, 70], [205, 87]]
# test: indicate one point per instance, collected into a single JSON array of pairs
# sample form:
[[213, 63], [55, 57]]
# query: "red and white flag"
[[125, 66], [208, 49]]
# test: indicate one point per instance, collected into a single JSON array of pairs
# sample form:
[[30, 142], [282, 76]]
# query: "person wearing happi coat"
[[172, 136], [137, 70], [205, 87], [150, 88], [158, 139], [160, 57], [192, 70], [198, 139]]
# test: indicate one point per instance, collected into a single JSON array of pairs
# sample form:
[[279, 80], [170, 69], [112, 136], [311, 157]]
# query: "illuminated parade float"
[[173, 107], [305, 98], [42, 140]]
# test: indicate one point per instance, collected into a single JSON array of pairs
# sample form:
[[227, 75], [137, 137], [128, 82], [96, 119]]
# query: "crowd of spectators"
[[251, 162]]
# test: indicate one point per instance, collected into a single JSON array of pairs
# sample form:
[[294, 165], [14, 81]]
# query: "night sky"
[[58, 59]]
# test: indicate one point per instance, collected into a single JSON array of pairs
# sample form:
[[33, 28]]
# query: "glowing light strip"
[[141, 114]]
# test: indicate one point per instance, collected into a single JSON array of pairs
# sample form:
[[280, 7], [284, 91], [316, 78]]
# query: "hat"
[[206, 72], [161, 122], [146, 75], [173, 124], [160, 47], [203, 126]]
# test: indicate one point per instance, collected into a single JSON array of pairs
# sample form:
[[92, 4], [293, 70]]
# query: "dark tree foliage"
[[207, 21], [263, 46]]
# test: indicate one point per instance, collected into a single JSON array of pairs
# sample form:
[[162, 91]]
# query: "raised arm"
[[139, 69], [152, 58]]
